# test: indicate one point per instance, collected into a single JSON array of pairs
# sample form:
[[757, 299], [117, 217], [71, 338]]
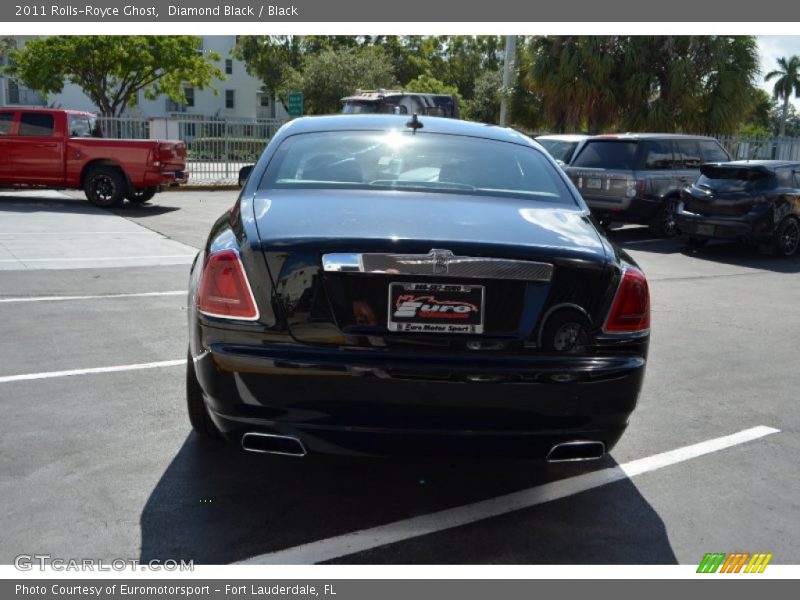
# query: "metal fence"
[[216, 148], [777, 148]]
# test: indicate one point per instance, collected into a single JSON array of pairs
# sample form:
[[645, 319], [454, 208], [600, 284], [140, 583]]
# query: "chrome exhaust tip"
[[270, 443], [576, 450]]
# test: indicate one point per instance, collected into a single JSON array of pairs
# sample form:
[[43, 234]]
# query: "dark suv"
[[755, 202], [638, 177]]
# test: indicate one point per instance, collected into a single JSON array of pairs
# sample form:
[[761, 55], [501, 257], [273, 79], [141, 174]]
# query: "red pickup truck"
[[65, 149]]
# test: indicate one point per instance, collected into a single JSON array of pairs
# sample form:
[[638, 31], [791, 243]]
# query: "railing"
[[216, 148], [124, 128], [776, 148]]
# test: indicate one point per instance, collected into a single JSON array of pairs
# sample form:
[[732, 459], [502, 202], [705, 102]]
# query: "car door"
[[38, 154], [687, 163], [659, 165], [6, 144]]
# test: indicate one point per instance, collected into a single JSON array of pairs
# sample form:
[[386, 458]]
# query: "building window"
[[13, 91], [230, 99], [189, 93], [228, 66], [263, 100]]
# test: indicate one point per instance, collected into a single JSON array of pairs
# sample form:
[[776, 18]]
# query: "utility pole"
[[508, 74]]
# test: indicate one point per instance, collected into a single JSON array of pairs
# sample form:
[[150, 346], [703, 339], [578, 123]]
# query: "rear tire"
[[142, 195], [566, 330], [787, 239], [665, 225], [105, 187], [196, 405]]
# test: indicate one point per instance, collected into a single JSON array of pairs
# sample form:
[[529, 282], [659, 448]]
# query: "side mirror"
[[244, 173]]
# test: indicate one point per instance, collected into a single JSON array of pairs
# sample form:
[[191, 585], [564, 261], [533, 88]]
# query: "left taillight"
[[224, 290], [630, 311]]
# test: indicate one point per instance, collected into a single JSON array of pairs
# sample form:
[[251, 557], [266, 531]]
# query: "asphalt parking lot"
[[97, 459]]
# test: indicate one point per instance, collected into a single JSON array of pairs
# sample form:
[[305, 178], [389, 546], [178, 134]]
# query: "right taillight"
[[224, 290], [630, 310]]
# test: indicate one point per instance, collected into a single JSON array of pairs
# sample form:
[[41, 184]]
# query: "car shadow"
[[740, 255], [32, 202], [215, 504], [143, 210], [641, 239]]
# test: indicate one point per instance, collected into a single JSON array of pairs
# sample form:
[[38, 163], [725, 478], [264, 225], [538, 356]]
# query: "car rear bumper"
[[746, 228], [628, 210], [165, 178], [378, 404]]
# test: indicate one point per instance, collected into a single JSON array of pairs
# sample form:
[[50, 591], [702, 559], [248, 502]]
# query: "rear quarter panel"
[[129, 155]]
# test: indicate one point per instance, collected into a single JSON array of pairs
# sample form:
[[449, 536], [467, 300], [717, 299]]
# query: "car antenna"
[[414, 123]]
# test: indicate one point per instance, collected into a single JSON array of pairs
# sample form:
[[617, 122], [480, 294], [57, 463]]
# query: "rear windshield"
[[733, 180], [400, 160], [559, 149], [607, 154]]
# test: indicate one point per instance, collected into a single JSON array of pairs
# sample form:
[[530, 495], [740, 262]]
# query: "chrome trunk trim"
[[439, 263]]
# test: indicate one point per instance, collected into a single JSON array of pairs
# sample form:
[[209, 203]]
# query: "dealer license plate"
[[435, 308]]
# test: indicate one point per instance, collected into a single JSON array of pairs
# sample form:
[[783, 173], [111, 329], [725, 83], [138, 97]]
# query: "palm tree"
[[788, 80]]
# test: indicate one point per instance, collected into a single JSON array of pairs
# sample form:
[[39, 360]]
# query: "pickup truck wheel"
[[787, 240], [142, 195], [665, 224], [105, 187]]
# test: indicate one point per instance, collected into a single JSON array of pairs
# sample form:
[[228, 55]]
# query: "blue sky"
[[772, 47]]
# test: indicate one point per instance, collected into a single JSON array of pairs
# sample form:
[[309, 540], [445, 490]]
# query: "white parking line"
[[91, 258], [64, 233], [367, 539], [99, 296], [114, 369]]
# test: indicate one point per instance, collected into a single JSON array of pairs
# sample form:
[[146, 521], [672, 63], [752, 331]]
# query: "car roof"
[[39, 109], [563, 137], [368, 122], [648, 136]]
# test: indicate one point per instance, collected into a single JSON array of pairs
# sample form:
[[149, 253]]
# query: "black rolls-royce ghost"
[[413, 286]]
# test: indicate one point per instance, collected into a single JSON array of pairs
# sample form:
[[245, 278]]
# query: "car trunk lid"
[[344, 261]]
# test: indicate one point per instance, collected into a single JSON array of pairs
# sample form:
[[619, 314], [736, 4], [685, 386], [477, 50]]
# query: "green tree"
[[787, 80], [790, 120], [112, 69], [576, 79], [330, 75], [656, 83], [485, 103], [758, 122], [274, 59]]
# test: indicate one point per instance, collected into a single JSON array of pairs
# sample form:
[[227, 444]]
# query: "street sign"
[[294, 103]]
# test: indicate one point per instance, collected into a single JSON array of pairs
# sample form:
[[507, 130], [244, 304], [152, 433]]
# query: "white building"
[[239, 96]]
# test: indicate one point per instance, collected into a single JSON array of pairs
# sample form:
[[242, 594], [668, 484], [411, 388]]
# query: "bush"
[[231, 148]]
